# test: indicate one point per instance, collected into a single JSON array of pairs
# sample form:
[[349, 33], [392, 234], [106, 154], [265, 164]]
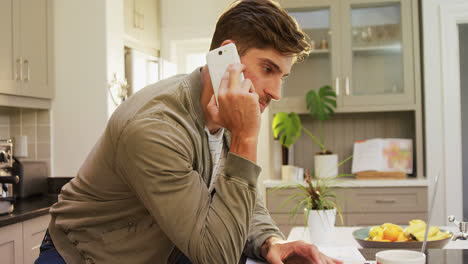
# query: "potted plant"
[[288, 127], [319, 202], [315, 197]]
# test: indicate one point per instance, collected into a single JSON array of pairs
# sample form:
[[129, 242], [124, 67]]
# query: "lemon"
[[402, 237], [415, 226], [392, 232], [375, 231], [385, 225]]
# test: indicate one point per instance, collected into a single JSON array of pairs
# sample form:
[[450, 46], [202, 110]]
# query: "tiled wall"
[[33, 123]]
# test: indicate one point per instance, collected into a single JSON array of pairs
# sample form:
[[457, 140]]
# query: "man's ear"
[[227, 41]]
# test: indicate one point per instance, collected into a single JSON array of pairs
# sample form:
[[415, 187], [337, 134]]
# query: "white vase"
[[321, 225], [326, 165]]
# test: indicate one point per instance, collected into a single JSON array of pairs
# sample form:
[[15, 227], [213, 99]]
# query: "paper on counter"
[[347, 254], [344, 253]]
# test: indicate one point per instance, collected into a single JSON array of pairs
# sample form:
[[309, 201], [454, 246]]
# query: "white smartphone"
[[218, 60]]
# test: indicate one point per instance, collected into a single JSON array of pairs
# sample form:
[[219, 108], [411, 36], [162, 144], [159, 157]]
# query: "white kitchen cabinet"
[[11, 244], [33, 233], [141, 25], [20, 242], [24, 49], [9, 53]]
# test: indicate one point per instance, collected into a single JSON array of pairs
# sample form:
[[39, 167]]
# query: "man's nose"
[[275, 90]]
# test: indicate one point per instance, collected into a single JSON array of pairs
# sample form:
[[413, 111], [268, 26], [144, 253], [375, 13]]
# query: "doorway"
[[463, 39]]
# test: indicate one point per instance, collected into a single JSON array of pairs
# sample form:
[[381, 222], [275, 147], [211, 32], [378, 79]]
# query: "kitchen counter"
[[343, 236], [353, 183], [28, 208]]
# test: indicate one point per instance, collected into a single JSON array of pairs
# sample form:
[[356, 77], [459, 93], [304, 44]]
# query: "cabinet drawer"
[[385, 200], [275, 199], [366, 219], [33, 233]]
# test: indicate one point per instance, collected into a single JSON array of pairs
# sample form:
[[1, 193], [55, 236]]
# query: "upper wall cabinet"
[[141, 25], [363, 49], [24, 52]]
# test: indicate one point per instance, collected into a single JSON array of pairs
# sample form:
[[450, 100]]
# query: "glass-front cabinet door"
[[377, 52], [363, 49], [320, 21]]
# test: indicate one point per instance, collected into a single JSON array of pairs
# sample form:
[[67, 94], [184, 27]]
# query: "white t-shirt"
[[218, 154]]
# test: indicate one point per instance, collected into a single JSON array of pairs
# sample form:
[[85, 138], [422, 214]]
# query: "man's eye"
[[267, 69]]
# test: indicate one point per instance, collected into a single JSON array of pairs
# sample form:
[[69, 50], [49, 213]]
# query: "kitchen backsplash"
[[33, 123]]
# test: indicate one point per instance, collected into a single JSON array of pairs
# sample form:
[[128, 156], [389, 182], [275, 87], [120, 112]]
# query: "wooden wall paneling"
[[343, 129]]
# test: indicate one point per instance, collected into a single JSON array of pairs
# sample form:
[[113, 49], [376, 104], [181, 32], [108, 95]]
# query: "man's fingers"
[[223, 85], [316, 255], [248, 86], [234, 74], [274, 258], [276, 261]]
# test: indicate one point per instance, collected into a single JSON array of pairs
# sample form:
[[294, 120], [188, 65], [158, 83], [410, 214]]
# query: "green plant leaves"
[[315, 194], [287, 127], [321, 104]]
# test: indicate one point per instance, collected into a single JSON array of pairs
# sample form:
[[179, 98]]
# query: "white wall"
[[442, 104], [463, 29], [186, 24], [86, 52], [114, 45]]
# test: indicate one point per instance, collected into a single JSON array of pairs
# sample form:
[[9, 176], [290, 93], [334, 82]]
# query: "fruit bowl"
[[361, 234]]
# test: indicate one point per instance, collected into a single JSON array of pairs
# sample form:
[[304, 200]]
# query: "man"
[[173, 179]]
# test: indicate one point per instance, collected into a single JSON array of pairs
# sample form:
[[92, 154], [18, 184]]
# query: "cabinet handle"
[[337, 86], [142, 21], [138, 20], [28, 75], [385, 201], [347, 85], [135, 15], [19, 71], [135, 19]]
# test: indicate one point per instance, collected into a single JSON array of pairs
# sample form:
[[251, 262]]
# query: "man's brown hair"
[[260, 24]]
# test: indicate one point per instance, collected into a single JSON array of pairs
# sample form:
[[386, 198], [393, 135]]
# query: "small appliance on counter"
[[19, 179], [32, 178], [8, 176]]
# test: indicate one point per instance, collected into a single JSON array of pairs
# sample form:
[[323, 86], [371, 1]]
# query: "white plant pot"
[[326, 165], [321, 225]]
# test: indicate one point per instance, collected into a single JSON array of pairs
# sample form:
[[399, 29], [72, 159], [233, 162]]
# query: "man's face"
[[266, 69]]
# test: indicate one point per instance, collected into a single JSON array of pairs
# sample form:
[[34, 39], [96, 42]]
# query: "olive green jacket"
[[141, 196]]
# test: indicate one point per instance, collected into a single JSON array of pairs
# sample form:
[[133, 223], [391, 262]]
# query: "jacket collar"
[[195, 90], [227, 138]]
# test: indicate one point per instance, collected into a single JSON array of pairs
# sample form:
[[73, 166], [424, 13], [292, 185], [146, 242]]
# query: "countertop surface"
[[343, 236], [353, 183], [28, 208]]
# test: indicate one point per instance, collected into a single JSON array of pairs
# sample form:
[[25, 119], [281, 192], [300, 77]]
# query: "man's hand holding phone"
[[238, 111], [237, 108]]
